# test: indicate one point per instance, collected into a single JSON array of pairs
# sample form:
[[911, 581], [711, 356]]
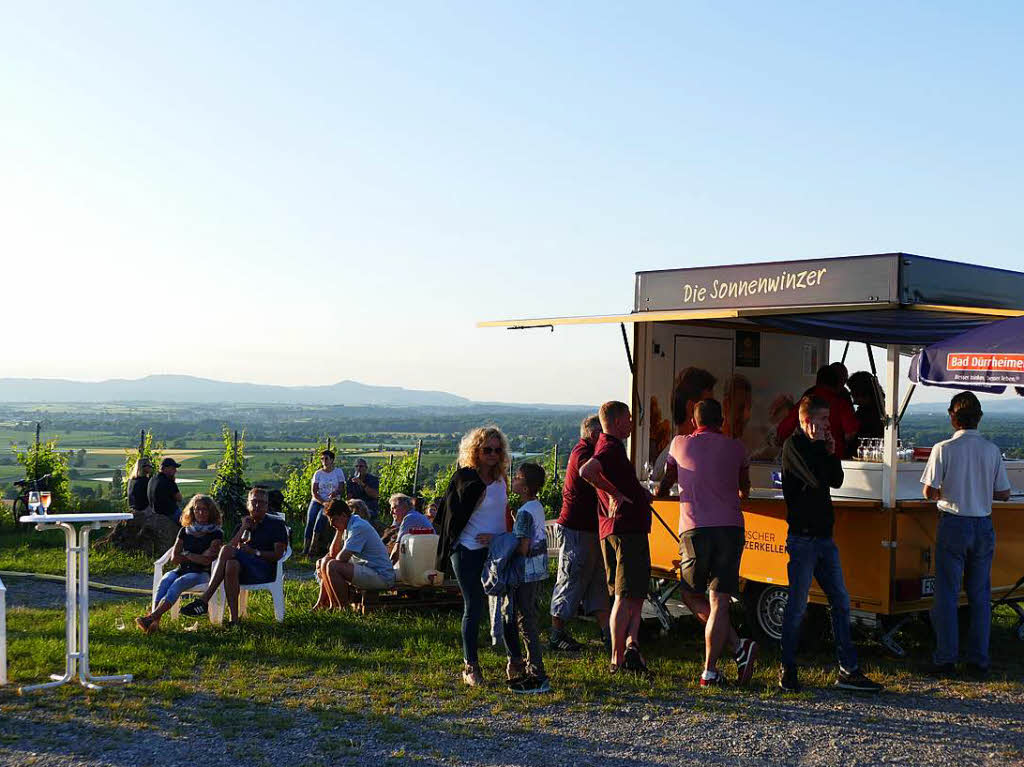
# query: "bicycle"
[[26, 487]]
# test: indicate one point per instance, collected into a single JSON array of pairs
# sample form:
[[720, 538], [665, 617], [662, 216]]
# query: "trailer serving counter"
[[763, 331]]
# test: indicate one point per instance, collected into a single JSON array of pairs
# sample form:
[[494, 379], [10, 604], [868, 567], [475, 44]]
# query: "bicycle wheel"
[[18, 507]]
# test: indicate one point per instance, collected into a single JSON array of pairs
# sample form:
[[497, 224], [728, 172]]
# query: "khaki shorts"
[[627, 562], [368, 579]]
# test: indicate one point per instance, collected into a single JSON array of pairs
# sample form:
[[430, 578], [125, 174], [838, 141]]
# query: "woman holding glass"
[[195, 549], [471, 513]]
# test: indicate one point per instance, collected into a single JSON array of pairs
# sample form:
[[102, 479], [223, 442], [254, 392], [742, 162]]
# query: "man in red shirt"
[[581, 576], [843, 422], [624, 523]]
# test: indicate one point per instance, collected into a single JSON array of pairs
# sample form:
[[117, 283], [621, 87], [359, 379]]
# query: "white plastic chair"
[[3, 634], [275, 587], [553, 531], [216, 601]]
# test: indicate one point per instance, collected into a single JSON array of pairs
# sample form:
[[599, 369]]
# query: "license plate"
[[928, 586]]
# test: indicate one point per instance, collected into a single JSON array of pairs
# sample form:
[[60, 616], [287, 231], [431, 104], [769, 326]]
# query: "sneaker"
[[940, 670], [562, 642], [515, 670], [195, 608], [471, 676], [530, 685], [788, 680], [855, 680], [745, 656], [633, 661], [974, 671], [718, 680]]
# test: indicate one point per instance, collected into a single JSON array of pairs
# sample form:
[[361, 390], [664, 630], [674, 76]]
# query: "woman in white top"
[[473, 511], [328, 483]]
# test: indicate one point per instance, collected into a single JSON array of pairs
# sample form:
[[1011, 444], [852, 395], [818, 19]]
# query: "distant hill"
[[189, 389]]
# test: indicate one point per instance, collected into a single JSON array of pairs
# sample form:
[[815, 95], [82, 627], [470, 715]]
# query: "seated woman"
[[195, 549], [357, 557]]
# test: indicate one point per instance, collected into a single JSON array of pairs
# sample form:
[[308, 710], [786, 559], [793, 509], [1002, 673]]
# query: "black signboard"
[[856, 280]]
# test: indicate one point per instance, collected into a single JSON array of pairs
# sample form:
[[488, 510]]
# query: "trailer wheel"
[[764, 606]]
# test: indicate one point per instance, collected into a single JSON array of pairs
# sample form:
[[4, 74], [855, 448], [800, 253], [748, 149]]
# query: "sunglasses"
[[491, 450]]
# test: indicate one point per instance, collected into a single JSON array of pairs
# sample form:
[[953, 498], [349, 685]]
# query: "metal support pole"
[[906, 401], [84, 675], [871, 360], [890, 464], [416, 472]]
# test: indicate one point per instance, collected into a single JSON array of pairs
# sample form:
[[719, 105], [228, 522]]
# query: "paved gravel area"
[[928, 726], [935, 723]]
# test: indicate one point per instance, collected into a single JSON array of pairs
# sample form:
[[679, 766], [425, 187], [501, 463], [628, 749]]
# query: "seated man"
[[406, 519], [357, 557], [250, 556]]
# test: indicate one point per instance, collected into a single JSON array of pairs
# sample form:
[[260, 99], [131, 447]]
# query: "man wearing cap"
[[163, 492]]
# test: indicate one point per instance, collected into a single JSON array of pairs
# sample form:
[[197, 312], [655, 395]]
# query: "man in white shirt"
[[964, 475]]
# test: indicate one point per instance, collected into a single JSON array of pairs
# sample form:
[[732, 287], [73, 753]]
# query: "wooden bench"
[[403, 597]]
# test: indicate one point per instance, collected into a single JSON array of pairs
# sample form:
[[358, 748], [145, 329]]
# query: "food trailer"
[[763, 330]]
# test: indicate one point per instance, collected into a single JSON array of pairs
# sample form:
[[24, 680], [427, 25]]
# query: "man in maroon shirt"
[[581, 576], [624, 523], [843, 421]]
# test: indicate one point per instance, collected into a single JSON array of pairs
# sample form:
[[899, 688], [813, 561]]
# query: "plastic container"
[[416, 558]]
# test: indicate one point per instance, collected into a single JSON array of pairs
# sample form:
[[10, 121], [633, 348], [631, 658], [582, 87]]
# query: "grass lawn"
[[388, 667]]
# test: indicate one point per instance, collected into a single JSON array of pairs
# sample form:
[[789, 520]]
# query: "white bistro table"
[[76, 529]]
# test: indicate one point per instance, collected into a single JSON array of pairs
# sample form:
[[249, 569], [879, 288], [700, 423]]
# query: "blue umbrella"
[[986, 359]]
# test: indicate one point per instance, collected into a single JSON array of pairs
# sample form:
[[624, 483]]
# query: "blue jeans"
[[173, 585], [315, 521], [817, 558], [468, 565], [963, 552]]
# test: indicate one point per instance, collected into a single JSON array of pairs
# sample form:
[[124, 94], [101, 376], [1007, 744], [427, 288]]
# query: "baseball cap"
[[169, 462]]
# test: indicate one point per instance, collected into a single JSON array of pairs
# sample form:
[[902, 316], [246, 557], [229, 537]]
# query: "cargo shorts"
[[581, 576]]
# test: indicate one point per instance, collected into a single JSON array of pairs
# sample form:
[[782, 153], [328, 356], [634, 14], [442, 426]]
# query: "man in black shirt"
[[163, 493], [810, 468], [364, 486]]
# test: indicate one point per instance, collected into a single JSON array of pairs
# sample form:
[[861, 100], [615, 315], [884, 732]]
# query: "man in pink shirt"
[[713, 475]]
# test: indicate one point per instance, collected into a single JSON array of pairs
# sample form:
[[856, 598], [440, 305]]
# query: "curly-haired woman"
[[195, 549], [470, 515]]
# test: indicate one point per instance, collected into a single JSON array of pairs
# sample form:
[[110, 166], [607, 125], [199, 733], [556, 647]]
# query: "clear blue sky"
[[300, 193]]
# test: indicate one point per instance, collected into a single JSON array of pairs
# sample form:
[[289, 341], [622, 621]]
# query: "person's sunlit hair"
[[188, 516], [472, 444]]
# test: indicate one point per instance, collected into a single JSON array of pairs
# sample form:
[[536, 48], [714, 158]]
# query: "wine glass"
[[45, 497], [33, 501]]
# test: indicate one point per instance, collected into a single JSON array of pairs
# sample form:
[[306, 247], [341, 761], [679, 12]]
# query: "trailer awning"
[[673, 315], [908, 326], [913, 325]]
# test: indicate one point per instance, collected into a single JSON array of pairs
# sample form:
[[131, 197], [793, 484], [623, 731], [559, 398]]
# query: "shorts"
[[368, 579], [253, 569], [627, 564], [710, 559], [580, 576]]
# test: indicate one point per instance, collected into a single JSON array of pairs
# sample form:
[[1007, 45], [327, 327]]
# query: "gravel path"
[[934, 724], [925, 727]]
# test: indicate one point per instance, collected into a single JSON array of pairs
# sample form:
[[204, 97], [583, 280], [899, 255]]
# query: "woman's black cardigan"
[[465, 491]]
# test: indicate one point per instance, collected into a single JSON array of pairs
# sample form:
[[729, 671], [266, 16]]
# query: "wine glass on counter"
[[45, 497]]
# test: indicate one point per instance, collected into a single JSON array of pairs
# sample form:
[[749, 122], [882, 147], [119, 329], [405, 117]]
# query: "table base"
[[76, 606]]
